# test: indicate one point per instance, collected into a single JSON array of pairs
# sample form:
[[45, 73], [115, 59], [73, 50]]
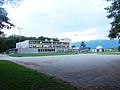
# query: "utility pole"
[[20, 38], [76, 51]]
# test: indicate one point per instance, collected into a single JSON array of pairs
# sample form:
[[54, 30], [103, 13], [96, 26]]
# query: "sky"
[[79, 20]]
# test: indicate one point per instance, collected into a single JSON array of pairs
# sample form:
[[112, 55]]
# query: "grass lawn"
[[17, 77], [40, 54], [73, 53], [109, 53]]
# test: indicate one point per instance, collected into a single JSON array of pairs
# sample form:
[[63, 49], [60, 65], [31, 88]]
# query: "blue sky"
[[80, 20]]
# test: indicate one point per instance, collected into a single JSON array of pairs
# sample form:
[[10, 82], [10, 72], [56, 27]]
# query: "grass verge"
[[40, 54], [54, 54], [17, 77], [109, 53]]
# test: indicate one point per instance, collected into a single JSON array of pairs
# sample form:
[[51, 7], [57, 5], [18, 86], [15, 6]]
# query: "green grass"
[[40, 54], [69, 53], [16, 77], [109, 53], [102, 53], [87, 52]]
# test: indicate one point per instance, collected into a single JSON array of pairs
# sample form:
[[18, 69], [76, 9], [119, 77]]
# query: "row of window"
[[42, 46], [40, 42], [46, 50]]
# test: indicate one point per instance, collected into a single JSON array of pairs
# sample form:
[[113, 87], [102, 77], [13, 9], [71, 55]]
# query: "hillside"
[[103, 43]]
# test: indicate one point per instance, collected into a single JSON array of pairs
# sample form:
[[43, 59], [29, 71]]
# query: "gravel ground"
[[90, 72]]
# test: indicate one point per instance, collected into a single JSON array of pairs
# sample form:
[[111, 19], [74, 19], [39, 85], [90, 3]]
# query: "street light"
[[20, 38]]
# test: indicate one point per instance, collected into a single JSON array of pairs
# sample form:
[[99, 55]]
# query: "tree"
[[114, 14], [82, 44], [73, 46], [4, 19]]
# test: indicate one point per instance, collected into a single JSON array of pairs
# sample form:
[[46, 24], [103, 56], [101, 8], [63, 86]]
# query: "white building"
[[39, 46], [99, 49], [66, 40]]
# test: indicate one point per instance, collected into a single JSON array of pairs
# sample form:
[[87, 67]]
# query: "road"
[[84, 70]]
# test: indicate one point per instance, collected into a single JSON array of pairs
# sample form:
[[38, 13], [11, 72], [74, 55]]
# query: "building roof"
[[99, 47]]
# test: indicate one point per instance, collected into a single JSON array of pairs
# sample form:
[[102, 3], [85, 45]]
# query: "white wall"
[[24, 44], [27, 50], [66, 40]]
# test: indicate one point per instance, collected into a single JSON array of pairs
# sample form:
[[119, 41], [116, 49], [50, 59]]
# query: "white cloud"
[[61, 18], [85, 35]]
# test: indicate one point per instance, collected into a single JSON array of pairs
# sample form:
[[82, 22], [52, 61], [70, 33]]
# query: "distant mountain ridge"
[[104, 43]]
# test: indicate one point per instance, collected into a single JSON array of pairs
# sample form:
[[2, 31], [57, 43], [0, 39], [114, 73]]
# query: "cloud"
[[55, 18], [84, 35]]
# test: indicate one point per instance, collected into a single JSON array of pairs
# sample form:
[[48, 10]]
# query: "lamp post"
[[20, 38]]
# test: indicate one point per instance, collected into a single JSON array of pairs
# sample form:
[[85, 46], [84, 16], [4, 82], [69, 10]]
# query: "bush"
[[119, 48]]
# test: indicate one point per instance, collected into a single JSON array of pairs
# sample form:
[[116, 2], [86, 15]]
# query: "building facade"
[[39, 46]]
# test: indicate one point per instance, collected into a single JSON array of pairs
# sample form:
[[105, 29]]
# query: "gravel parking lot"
[[86, 71]]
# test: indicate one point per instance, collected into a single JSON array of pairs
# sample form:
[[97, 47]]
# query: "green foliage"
[[82, 44], [119, 48], [109, 53], [114, 14], [4, 19], [43, 38], [16, 77], [73, 46], [41, 54]]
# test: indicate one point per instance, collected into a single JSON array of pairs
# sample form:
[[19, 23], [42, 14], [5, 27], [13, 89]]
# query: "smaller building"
[[99, 49], [74, 49], [80, 49], [84, 49]]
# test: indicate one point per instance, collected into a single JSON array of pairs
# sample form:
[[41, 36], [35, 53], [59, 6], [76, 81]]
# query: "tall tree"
[[82, 44], [4, 19], [114, 14]]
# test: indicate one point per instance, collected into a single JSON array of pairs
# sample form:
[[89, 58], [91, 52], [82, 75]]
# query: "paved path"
[[87, 71], [4, 56]]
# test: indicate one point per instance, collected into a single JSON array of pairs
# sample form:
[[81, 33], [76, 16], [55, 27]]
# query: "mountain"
[[103, 43]]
